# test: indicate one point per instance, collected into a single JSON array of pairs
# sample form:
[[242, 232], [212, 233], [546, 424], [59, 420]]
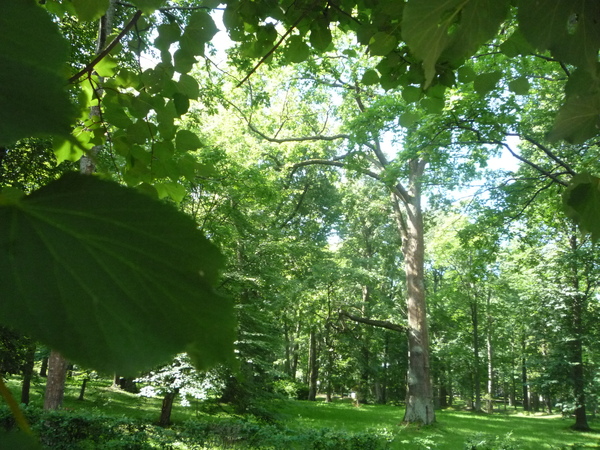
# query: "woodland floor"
[[455, 428]]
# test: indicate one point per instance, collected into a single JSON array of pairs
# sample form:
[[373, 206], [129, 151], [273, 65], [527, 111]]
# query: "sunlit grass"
[[452, 429]]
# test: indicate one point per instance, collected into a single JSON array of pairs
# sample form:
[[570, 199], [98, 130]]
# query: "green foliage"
[[457, 27], [582, 203], [483, 441], [32, 81], [90, 271]]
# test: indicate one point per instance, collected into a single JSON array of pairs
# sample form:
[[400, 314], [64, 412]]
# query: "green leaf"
[[408, 119], [320, 35], [516, 45], [477, 23], [168, 33], [581, 201], [466, 74], [181, 102], [106, 66], [411, 94], [433, 105], [569, 29], [88, 10], [18, 440], [183, 61], [33, 58], [110, 278], [519, 86], [66, 149], [297, 51], [370, 77], [425, 25], [188, 86], [186, 140], [200, 29], [173, 190], [578, 119], [382, 43], [148, 6], [486, 82]]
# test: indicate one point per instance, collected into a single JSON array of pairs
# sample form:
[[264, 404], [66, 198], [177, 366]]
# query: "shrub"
[[483, 441]]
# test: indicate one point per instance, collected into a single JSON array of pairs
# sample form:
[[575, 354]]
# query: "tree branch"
[[549, 153], [298, 139], [107, 50], [373, 322], [270, 52]]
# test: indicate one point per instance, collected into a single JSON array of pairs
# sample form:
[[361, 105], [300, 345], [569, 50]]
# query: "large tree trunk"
[[419, 398], [55, 384]]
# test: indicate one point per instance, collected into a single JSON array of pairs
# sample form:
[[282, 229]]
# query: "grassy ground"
[[452, 430]]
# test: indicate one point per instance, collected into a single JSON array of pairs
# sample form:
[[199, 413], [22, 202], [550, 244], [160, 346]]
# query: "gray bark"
[[55, 384]]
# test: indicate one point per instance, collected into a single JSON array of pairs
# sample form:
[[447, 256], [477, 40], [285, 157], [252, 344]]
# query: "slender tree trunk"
[[524, 384], [476, 364], [419, 398], [577, 308], [82, 390], [313, 368], [490, 355], [55, 384], [27, 370], [44, 367], [166, 409]]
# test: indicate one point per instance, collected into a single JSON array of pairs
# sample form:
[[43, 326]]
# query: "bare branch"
[[549, 153], [298, 139], [373, 322]]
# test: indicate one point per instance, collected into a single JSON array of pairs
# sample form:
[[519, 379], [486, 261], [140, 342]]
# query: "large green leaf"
[[109, 277], [425, 27], [578, 119], [479, 21], [568, 28], [33, 59], [582, 203], [455, 28], [88, 10], [320, 35]]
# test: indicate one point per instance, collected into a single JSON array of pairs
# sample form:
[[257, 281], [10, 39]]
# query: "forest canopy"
[[412, 98]]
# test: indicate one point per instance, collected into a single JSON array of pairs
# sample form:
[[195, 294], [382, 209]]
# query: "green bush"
[[483, 441]]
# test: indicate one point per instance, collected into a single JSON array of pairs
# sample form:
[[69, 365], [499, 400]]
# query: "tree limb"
[[317, 137], [374, 322], [107, 50]]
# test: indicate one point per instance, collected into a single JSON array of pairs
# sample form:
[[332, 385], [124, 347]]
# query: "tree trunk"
[[419, 398], [490, 356], [577, 308], [44, 367], [313, 367], [55, 385], [476, 365], [524, 384], [82, 390], [27, 370], [167, 407]]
